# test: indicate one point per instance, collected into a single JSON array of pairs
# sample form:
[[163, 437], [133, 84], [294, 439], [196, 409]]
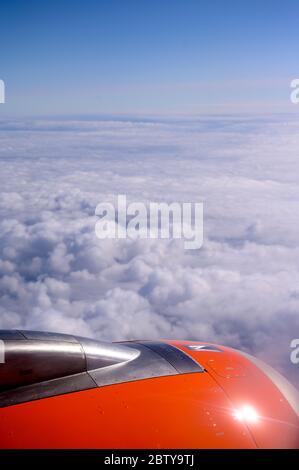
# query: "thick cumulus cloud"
[[241, 288]]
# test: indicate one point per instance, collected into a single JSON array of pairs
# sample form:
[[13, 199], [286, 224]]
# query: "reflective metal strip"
[[147, 365], [203, 347], [183, 363]]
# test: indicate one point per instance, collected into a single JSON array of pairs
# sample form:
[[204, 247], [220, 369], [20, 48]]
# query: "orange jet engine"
[[62, 391]]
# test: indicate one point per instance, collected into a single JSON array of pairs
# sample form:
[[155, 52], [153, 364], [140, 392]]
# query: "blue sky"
[[129, 56]]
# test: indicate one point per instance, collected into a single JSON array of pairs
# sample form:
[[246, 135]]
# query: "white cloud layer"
[[240, 289]]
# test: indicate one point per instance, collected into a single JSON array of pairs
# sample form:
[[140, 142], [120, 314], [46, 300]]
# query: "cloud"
[[241, 289]]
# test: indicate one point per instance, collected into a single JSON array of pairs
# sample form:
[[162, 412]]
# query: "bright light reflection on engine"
[[246, 413]]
